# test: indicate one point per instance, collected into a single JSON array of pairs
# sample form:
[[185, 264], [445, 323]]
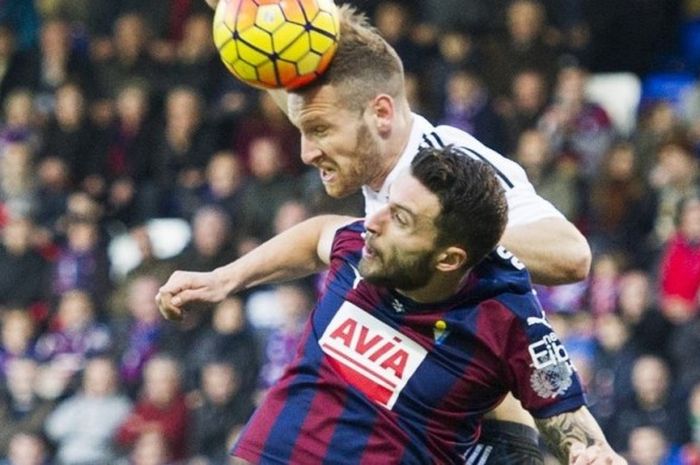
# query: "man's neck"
[[394, 148]]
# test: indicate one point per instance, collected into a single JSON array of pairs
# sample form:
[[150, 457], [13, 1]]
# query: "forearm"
[[562, 431], [290, 255], [553, 250]]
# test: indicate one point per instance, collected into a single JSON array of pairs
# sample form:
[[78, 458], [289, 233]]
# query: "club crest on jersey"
[[553, 371], [440, 332], [369, 354]]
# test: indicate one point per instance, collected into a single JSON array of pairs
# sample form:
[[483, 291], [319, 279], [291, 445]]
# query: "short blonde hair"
[[364, 65]]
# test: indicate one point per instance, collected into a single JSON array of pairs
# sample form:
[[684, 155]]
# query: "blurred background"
[[127, 151]]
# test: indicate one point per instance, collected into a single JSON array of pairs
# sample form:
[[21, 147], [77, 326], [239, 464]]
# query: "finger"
[[167, 309], [186, 296]]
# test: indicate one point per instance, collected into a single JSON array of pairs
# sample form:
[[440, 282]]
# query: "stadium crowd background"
[[117, 113]]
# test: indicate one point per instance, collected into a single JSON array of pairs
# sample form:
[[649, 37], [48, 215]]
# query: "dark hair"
[[364, 64], [474, 211]]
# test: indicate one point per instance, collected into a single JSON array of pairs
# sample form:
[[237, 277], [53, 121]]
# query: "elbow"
[[578, 262]]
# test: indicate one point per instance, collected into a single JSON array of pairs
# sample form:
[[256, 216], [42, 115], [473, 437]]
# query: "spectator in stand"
[[647, 445], [55, 63], [556, 179], [196, 64], [219, 409], [211, 244], [468, 107], [653, 403], [182, 150], [269, 187], [13, 63], [651, 331], [82, 262], [69, 134], [149, 266], [17, 189], [19, 119], [125, 58], [19, 262], [613, 357], [75, 336], [150, 448], [690, 452], [125, 176], [267, 121], [16, 338], [21, 408], [231, 338], [52, 192], [657, 124], [26, 449], [525, 46], [524, 108], [225, 180], [603, 287], [576, 124], [139, 336], [679, 275], [673, 178], [160, 409], [685, 352], [83, 425], [393, 20], [618, 202], [456, 50]]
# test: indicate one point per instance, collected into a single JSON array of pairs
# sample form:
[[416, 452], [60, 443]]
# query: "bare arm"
[[553, 250], [575, 438], [297, 252]]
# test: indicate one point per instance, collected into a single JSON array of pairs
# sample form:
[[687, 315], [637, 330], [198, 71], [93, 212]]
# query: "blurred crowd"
[[114, 114]]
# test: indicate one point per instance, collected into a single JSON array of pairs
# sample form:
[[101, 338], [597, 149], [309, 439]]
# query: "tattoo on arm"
[[561, 431]]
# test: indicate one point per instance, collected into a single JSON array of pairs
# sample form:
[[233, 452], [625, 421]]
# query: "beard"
[[401, 271], [366, 162]]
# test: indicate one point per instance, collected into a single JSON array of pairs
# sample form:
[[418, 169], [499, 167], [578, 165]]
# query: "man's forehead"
[[323, 100], [409, 193]]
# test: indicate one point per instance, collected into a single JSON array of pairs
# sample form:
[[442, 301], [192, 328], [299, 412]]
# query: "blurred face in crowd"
[[82, 235], [210, 229], [161, 381], [533, 150], [17, 331], [289, 214], [529, 92], [647, 446], [265, 158], [75, 311], [650, 378], [100, 378], [337, 140], [130, 35], [689, 224], [391, 19], [16, 235], [183, 110], [571, 84], [229, 316], [21, 377], [132, 105], [677, 163], [140, 299], [70, 105], [26, 449], [19, 108], [224, 174], [633, 295], [55, 39], [525, 19], [219, 382]]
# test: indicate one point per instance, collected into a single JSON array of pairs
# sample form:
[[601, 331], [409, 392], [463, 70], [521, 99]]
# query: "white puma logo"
[[357, 279], [533, 320]]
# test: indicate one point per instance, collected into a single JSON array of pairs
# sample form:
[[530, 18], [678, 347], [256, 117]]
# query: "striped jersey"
[[524, 205], [381, 379]]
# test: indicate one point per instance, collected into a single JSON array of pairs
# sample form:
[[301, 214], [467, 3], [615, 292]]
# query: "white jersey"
[[524, 205]]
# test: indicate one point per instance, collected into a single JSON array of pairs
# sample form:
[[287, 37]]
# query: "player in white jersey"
[[358, 130]]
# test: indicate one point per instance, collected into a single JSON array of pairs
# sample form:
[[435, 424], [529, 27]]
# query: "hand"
[[212, 3], [596, 454], [186, 286]]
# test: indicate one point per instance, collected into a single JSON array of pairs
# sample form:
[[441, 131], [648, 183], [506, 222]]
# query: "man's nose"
[[309, 151], [375, 221]]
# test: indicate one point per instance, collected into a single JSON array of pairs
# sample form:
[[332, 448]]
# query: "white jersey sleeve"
[[524, 205]]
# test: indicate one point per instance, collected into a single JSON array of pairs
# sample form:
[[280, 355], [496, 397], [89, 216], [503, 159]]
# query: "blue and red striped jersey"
[[381, 379]]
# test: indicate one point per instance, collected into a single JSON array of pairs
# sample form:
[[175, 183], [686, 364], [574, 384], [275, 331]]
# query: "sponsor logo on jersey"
[[553, 371], [370, 355]]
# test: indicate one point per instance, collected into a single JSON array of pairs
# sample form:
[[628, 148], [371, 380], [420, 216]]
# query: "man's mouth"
[[328, 175]]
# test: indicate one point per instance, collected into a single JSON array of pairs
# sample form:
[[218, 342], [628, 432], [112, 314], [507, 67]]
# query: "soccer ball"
[[276, 43]]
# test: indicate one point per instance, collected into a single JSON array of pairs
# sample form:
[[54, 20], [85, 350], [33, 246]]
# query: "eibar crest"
[[440, 332]]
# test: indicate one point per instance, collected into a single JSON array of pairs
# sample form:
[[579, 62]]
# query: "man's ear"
[[451, 259], [383, 112]]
